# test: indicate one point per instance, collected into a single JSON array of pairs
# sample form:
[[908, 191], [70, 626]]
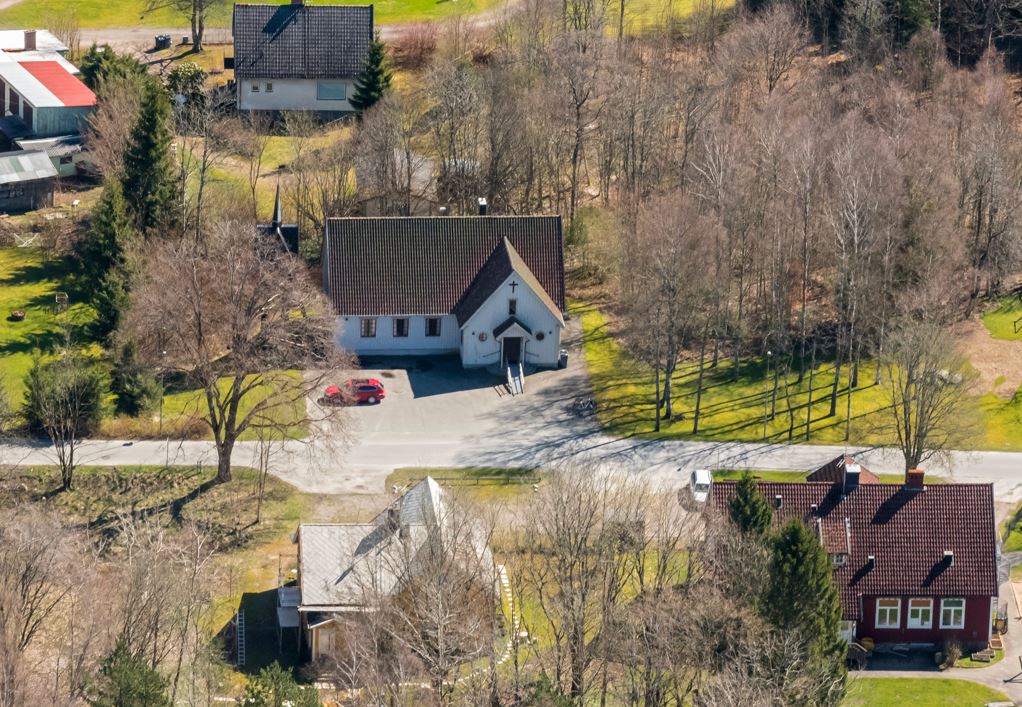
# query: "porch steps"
[[515, 379], [996, 643], [239, 626]]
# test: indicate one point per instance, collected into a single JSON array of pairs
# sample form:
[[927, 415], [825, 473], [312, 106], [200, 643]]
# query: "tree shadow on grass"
[[263, 644]]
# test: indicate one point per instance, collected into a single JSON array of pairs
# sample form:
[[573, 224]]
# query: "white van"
[[699, 484]]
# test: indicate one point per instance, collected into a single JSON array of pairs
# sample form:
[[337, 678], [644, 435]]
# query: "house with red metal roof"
[[913, 563], [43, 102]]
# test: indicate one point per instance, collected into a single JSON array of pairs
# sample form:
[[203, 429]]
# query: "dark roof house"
[[437, 265], [300, 41], [908, 544], [488, 287]]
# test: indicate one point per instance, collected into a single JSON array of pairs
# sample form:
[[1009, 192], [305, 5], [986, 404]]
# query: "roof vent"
[[813, 508], [871, 560], [778, 501], [949, 558], [482, 206]]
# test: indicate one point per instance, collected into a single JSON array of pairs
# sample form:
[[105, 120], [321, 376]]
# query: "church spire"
[[278, 213]]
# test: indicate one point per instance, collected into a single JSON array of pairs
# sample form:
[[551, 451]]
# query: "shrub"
[[66, 393], [136, 390], [952, 653], [415, 47]]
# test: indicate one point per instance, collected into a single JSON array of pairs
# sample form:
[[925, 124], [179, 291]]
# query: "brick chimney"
[[915, 479], [30, 39]]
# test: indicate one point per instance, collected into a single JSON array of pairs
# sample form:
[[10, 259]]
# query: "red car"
[[354, 391]]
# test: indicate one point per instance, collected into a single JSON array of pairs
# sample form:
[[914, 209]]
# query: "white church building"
[[490, 288]]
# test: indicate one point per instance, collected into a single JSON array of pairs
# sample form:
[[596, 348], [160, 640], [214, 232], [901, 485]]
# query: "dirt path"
[[998, 362]]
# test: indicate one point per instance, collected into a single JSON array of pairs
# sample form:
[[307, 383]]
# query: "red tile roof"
[[834, 470], [906, 530], [68, 89]]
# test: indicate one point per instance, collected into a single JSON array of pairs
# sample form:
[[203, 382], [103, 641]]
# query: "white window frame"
[[888, 623], [439, 326], [321, 85], [397, 325], [920, 605], [960, 610], [269, 87], [367, 324], [254, 88]]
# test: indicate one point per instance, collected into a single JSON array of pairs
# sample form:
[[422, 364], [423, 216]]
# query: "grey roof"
[[301, 41], [21, 166], [53, 146], [429, 265], [343, 565]]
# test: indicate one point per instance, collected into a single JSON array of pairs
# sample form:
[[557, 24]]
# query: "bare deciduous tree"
[[238, 315]]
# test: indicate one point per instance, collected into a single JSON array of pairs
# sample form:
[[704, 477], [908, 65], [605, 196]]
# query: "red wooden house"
[[913, 563]]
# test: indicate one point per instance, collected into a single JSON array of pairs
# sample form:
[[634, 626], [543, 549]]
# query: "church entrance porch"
[[511, 348]]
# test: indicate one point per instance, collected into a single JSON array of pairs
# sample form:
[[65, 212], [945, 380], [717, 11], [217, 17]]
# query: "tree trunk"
[[223, 460], [837, 380], [656, 412], [809, 405], [699, 386]]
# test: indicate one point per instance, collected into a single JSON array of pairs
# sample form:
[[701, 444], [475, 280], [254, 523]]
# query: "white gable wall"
[[386, 344], [531, 311], [291, 94]]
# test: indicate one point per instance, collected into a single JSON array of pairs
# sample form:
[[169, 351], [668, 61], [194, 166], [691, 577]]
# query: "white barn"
[[299, 57], [489, 288]]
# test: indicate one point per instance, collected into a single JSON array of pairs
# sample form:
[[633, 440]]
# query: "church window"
[[400, 327], [367, 328], [433, 326], [512, 307]]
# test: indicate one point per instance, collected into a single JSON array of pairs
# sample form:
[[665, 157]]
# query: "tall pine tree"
[[749, 509], [374, 78], [103, 255], [800, 597], [149, 184]]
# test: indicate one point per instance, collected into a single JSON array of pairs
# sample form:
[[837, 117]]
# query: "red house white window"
[[888, 613], [952, 613], [920, 613]]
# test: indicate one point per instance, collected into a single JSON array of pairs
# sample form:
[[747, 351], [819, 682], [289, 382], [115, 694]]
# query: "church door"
[[512, 350]]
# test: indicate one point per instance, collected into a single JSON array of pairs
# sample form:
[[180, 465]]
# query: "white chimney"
[[949, 558]]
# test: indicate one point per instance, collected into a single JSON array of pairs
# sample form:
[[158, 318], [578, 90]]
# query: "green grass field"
[[477, 483], [93, 14], [29, 279], [1000, 319], [734, 409], [918, 692]]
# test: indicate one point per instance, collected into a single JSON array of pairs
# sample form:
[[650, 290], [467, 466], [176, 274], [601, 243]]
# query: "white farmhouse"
[[490, 288], [299, 57]]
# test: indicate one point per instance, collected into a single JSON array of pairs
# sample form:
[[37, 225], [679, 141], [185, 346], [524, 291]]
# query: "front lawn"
[[29, 280], [918, 692], [734, 408], [479, 483], [97, 14], [185, 412]]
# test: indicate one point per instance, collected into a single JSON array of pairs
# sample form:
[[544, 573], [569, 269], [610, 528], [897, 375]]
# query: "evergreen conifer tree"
[[800, 597], [149, 184], [103, 257], [126, 679], [373, 79], [748, 509]]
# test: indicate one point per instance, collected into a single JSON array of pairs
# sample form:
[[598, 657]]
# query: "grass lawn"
[[129, 13], [918, 692], [478, 483], [968, 662], [1000, 319], [640, 15], [185, 411], [29, 279], [735, 408], [1011, 531]]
